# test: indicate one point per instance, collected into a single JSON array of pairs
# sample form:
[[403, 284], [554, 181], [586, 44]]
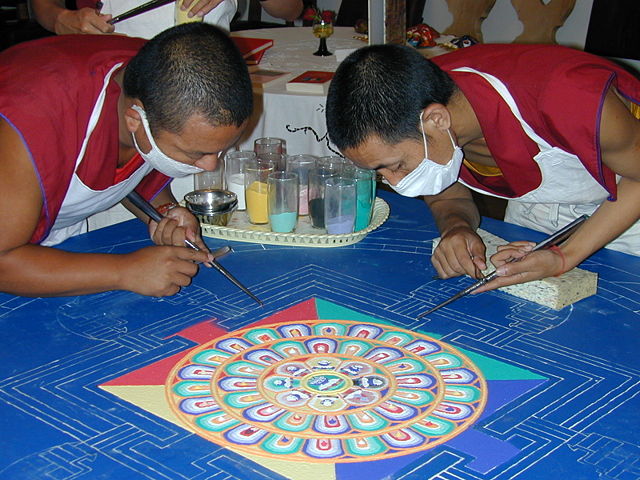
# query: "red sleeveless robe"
[[48, 88]]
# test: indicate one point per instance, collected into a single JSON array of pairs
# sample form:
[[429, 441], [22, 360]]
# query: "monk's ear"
[[436, 116], [132, 117]]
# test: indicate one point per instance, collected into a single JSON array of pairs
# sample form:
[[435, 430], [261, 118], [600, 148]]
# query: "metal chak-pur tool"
[[555, 239], [147, 208], [145, 7]]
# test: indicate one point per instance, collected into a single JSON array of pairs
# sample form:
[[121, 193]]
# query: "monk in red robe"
[[84, 122], [552, 129]]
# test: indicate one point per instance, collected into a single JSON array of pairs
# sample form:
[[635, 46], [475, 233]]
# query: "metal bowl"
[[212, 206]]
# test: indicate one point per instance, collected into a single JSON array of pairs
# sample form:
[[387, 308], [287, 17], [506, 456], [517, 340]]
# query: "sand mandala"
[[326, 391]]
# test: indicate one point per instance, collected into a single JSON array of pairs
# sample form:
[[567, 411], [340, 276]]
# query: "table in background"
[[580, 420], [276, 107]]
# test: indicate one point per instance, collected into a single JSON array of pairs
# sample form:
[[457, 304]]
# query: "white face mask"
[[429, 177], [157, 159]]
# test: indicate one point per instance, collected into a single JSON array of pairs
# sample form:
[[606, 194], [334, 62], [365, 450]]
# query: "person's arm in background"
[[288, 10], [55, 17]]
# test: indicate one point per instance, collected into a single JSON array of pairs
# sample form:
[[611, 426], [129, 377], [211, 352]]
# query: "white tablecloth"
[[275, 108]]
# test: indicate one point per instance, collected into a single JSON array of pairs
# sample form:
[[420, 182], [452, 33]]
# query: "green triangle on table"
[[330, 311], [491, 368]]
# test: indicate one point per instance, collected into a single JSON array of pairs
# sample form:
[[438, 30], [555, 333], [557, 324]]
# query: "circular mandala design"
[[326, 391]]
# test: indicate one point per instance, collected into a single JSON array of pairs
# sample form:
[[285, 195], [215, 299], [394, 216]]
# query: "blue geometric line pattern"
[[55, 423]]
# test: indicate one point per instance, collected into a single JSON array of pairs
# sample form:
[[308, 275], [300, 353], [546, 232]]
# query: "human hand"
[[85, 20], [460, 251], [178, 224], [516, 263], [200, 7], [161, 271]]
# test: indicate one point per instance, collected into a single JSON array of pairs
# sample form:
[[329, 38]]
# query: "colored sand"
[[235, 184], [363, 214], [341, 224], [256, 197], [283, 222], [364, 206], [303, 202], [316, 210]]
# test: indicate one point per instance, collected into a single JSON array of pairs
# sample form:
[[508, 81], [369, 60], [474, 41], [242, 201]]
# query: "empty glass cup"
[[283, 201], [278, 160], [269, 145], [209, 180], [334, 162]]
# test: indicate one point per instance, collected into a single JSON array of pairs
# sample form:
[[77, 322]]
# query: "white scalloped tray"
[[240, 230]]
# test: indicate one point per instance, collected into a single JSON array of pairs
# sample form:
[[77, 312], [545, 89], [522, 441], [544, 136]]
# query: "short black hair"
[[381, 90], [194, 68]]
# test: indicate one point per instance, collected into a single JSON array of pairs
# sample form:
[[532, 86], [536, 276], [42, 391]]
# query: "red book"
[[252, 49], [311, 81]]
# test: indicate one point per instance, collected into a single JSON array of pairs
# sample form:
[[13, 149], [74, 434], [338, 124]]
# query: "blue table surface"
[[55, 422]]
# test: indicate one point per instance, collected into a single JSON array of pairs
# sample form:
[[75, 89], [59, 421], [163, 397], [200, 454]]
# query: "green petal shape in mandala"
[[368, 421], [354, 347], [210, 356], [320, 328], [290, 348], [261, 335], [462, 393], [243, 399], [216, 422], [396, 338], [279, 444], [364, 447], [411, 365], [418, 398], [444, 360], [294, 422], [434, 427], [244, 369], [192, 389]]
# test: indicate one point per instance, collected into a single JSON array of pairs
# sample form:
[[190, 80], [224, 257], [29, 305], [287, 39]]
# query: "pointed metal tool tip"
[[424, 314]]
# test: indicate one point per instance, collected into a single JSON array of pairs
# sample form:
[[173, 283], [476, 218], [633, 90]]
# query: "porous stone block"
[[552, 292]]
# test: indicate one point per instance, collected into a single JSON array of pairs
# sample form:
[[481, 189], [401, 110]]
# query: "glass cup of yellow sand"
[[256, 191]]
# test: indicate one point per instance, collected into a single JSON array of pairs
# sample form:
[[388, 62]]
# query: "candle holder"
[[322, 29]]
